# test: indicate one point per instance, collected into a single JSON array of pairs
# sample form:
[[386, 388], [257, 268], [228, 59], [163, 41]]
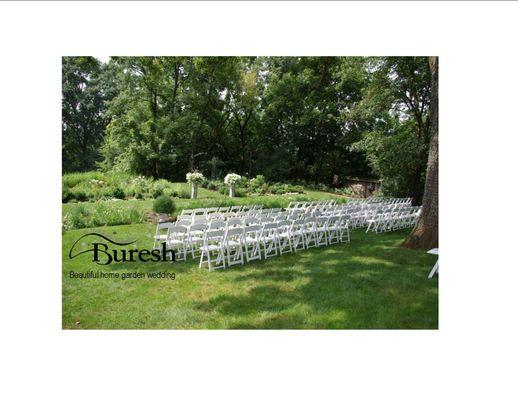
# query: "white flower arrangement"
[[194, 177], [97, 183], [232, 179], [139, 180]]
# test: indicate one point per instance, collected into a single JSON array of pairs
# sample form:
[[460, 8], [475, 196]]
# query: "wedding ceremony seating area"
[[221, 237]]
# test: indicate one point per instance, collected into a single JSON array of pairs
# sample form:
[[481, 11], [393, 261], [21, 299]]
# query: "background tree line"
[[288, 118]]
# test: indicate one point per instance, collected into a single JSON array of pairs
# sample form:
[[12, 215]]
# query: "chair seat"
[[268, 238], [211, 247]]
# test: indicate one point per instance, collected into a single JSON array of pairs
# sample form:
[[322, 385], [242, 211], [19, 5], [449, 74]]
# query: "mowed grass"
[[370, 283]]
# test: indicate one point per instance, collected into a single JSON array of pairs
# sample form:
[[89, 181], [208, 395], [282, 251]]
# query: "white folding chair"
[[195, 238], [322, 231], [162, 230], [297, 235], [310, 233], [212, 252], [177, 241], [233, 246], [333, 230], [284, 237], [343, 229], [269, 240], [252, 241]]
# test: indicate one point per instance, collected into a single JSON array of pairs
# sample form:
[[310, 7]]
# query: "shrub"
[[344, 191], [118, 193], [239, 192], [66, 195], [184, 194], [157, 192], [79, 195], [164, 205]]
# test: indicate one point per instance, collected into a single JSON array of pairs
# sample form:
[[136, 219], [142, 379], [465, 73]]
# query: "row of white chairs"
[[187, 219], [306, 204], [221, 244], [384, 221], [226, 209]]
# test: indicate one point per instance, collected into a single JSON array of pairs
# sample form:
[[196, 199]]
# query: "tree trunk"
[[426, 232]]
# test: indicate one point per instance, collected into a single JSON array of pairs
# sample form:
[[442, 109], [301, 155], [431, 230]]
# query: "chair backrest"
[[333, 221], [187, 212], [234, 222], [175, 230], [253, 229], [183, 222], [251, 221], [164, 225], [310, 222], [217, 224], [284, 226], [198, 227], [215, 215], [270, 228], [223, 209], [235, 234], [184, 218], [322, 221], [201, 220], [214, 238], [235, 208]]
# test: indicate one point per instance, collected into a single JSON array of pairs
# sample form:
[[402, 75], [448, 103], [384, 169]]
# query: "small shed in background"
[[363, 187]]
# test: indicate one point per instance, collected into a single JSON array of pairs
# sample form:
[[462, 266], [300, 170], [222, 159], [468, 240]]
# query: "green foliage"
[[92, 186], [118, 193], [101, 213], [397, 159], [164, 205], [83, 112], [344, 191], [288, 118]]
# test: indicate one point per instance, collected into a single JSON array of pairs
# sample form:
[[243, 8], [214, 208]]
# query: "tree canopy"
[[288, 118]]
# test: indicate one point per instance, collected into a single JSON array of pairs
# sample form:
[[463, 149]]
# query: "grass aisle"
[[370, 283]]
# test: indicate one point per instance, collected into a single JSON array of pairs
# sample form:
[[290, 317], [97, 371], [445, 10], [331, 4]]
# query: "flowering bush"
[[97, 183], [194, 177], [232, 179], [139, 180]]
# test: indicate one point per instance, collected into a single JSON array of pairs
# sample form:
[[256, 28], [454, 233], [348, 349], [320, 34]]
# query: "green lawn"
[[370, 283]]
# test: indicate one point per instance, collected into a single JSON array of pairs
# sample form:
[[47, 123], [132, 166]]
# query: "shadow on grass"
[[369, 284]]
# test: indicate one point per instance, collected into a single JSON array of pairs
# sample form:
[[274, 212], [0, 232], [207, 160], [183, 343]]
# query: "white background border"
[[474, 353]]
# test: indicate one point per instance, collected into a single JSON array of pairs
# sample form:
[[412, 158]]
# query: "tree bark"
[[425, 234]]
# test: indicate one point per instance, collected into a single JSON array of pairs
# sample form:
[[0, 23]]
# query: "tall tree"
[[83, 110], [394, 113], [425, 234]]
